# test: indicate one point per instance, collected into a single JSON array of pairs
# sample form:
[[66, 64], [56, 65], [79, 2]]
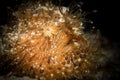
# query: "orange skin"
[[47, 44]]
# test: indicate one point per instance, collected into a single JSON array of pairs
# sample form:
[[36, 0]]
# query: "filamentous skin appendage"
[[47, 42]]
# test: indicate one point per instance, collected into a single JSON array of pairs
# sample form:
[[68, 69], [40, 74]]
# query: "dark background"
[[105, 19]]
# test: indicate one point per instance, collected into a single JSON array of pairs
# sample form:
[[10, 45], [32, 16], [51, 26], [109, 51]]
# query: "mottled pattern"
[[47, 43]]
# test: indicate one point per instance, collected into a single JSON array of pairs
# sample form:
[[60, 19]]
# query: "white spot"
[[58, 12], [51, 8], [56, 23], [76, 67], [22, 36], [93, 27], [76, 43], [56, 62], [35, 15], [42, 68], [63, 73], [43, 7], [76, 30], [56, 57], [63, 68], [31, 54], [61, 20], [49, 31], [32, 41], [52, 58], [86, 60], [67, 65], [46, 4], [36, 76], [87, 71], [81, 24], [39, 5], [79, 59], [36, 63], [64, 9], [51, 75], [11, 50], [18, 58], [53, 52], [32, 33]]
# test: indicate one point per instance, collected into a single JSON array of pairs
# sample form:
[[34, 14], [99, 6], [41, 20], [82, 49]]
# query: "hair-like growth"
[[47, 42]]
